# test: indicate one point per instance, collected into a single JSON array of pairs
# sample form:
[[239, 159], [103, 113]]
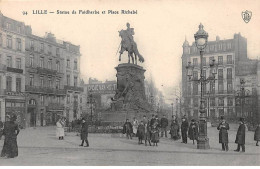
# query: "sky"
[[160, 29]]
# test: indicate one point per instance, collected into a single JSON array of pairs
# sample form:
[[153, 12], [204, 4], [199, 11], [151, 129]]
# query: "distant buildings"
[[40, 76], [222, 96]]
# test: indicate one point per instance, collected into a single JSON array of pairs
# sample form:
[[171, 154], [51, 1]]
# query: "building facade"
[[12, 69], [220, 95]]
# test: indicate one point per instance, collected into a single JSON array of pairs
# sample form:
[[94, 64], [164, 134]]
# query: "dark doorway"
[[41, 118], [32, 117]]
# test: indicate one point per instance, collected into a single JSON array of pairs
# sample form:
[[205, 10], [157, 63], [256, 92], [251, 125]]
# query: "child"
[[257, 134], [155, 134], [140, 132]]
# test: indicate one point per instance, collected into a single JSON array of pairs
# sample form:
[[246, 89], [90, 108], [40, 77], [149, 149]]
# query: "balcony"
[[14, 70], [55, 106], [44, 90], [73, 88], [41, 70]]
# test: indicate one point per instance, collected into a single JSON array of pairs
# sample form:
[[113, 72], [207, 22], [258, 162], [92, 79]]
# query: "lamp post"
[[201, 39], [241, 95]]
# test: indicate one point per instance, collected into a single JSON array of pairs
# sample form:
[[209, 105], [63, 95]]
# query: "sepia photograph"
[[129, 83]]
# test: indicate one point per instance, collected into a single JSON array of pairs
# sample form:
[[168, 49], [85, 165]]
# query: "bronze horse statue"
[[128, 44]]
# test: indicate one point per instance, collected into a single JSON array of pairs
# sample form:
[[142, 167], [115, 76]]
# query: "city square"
[[105, 91]]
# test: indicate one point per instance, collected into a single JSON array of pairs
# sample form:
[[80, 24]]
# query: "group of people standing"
[[149, 129]]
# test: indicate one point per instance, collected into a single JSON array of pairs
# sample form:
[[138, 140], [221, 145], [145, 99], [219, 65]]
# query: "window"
[[212, 101], [68, 98], [49, 63], [212, 87], [31, 60], [220, 87], [189, 89], [9, 61], [1, 39], [18, 85], [68, 63], [19, 29], [9, 41], [229, 59], [204, 73], [211, 47], [57, 51], [58, 84], [220, 101], [210, 59], [75, 81], [220, 60], [42, 47], [42, 99], [32, 44], [49, 82], [230, 101], [229, 45], [75, 65], [195, 61], [224, 47], [220, 46], [220, 74], [31, 82], [49, 49], [18, 44], [195, 88], [8, 83], [42, 62], [42, 81], [18, 63], [195, 75], [8, 25], [229, 86], [68, 80], [58, 66], [229, 73]]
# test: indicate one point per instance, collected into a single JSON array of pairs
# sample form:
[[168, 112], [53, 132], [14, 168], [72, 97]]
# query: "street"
[[40, 147]]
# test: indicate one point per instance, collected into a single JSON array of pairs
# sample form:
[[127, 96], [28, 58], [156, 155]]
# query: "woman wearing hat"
[[193, 131], [11, 130], [241, 136], [223, 128]]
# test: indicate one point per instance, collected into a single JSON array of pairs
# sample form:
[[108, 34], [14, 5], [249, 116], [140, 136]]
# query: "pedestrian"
[[128, 129], [193, 131], [184, 129], [223, 128], [141, 132], [1, 129], [11, 131], [84, 133], [155, 134], [152, 120], [145, 120], [147, 132], [257, 134], [135, 126], [174, 131], [164, 125], [60, 129], [241, 135]]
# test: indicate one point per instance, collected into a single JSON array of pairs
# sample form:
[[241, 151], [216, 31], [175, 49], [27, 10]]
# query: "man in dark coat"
[[1, 129], [11, 130], [128, 129], [152, 120], [223, 128], [164, 125], [184, 130], [241, 136], [175, 128], [141, 132], [84, 133], [257, 134], [193, 131]]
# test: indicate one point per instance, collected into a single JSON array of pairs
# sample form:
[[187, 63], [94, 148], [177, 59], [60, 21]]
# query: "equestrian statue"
[[128, 44]]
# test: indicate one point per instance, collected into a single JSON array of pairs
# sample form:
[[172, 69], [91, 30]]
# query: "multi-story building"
[[12, 69], [221, 94]]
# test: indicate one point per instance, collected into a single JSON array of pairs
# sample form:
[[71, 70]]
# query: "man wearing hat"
[[184, 129], [241, 135], [223, 128], [164, 125], [193, 130], [84, 133]]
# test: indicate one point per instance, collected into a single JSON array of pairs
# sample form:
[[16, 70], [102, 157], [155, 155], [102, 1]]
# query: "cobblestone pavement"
[[40, 147]]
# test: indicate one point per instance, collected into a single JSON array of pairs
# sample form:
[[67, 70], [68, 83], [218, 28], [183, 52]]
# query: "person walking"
[[11, 131], [241, 136], [184, 129], [174, 128], [257, 134], [147, 131], [155, 134], [84, 133], [152, 120], [193, 131], [223, 128], [141, 132], [60, 129], [164, 125], [128, 129], [135, 126]]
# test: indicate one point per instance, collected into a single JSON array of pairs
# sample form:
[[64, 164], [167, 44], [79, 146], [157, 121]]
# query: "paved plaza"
[[40, 147]]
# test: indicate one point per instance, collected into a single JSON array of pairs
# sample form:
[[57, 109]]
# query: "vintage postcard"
[[129, 83]]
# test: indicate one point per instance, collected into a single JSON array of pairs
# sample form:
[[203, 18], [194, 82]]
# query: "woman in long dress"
[[175, 128], [11, 130], [135, 126], [60, 129]]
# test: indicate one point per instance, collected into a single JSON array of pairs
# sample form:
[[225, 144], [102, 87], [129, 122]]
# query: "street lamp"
[[201, 39], [241, 95]]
